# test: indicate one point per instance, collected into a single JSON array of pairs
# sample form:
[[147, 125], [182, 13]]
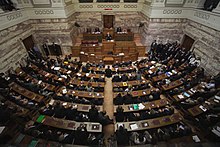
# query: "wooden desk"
[[108, 60], [132, 83], [188, 93], [68, 124], [196, 110], [151, 123], [172, 85], [85, 83], [107, 46], [20, 111], [129, 36], [136, 93], [90, 36], [47, 74], [89, 75], [154, 104], [85, 94], [26, 93], [21, 73], [80, 107]]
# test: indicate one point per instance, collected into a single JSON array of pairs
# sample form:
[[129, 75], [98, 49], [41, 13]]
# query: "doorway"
[[187, 42], [108, 21], [28, 42]]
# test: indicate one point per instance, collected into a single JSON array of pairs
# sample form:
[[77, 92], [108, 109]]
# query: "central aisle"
[[108, 106]]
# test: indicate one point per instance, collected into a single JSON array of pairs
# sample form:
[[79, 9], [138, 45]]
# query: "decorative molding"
[[86, 6], [130, 6], [14, 16], [108, 6], [43, 12], [202, 15], [172, 11]]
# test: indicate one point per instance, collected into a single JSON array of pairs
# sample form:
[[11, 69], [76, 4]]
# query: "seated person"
[[97, 30], [108, 36], [119, 29]]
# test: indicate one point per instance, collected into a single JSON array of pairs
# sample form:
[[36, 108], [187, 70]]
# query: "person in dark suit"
[[93, 113], [119, 114], [122, 136], [119, 99], [81, 135], [108, 36], [45, 47], [108, 72], [119, 29]]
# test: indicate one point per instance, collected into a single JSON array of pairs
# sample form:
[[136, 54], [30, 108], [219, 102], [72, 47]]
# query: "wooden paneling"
[[75, 51]]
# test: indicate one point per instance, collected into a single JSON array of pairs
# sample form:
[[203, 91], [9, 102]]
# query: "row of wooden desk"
[[132, 83], [137, 93], [85, 83], [201, 108], [150, 123], [26, 93], [188, 93], [67, 124], [127, 108], [85, 94], [47, 74], [47, 86]]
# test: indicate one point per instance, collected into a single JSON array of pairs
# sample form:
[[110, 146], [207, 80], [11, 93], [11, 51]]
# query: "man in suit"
[[108, 72], [45, 47], [122, 136], [93, 113], [108, 36]]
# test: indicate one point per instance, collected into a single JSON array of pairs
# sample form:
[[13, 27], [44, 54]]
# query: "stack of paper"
[[133, 126], [141, 106]]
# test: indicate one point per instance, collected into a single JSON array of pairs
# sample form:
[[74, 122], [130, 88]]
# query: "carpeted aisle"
[[108, 106]]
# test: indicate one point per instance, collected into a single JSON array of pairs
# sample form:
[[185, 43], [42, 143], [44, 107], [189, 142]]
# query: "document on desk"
[[141, 106], [216, 132], [180, 96], [202, 108], [133, 126], [1, 129], [56, 68], [186, 94], [196, 138], [51, 102]]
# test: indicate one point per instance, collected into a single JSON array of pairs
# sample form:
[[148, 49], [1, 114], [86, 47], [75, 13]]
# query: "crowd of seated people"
[[80, 136], [77, 99], [151, 136], [127, 77]]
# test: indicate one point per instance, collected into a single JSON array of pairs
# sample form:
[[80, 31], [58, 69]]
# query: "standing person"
[[108, 72], [45, 47]]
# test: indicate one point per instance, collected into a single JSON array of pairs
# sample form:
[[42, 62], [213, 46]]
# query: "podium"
[[107, 46], [111, 32]]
